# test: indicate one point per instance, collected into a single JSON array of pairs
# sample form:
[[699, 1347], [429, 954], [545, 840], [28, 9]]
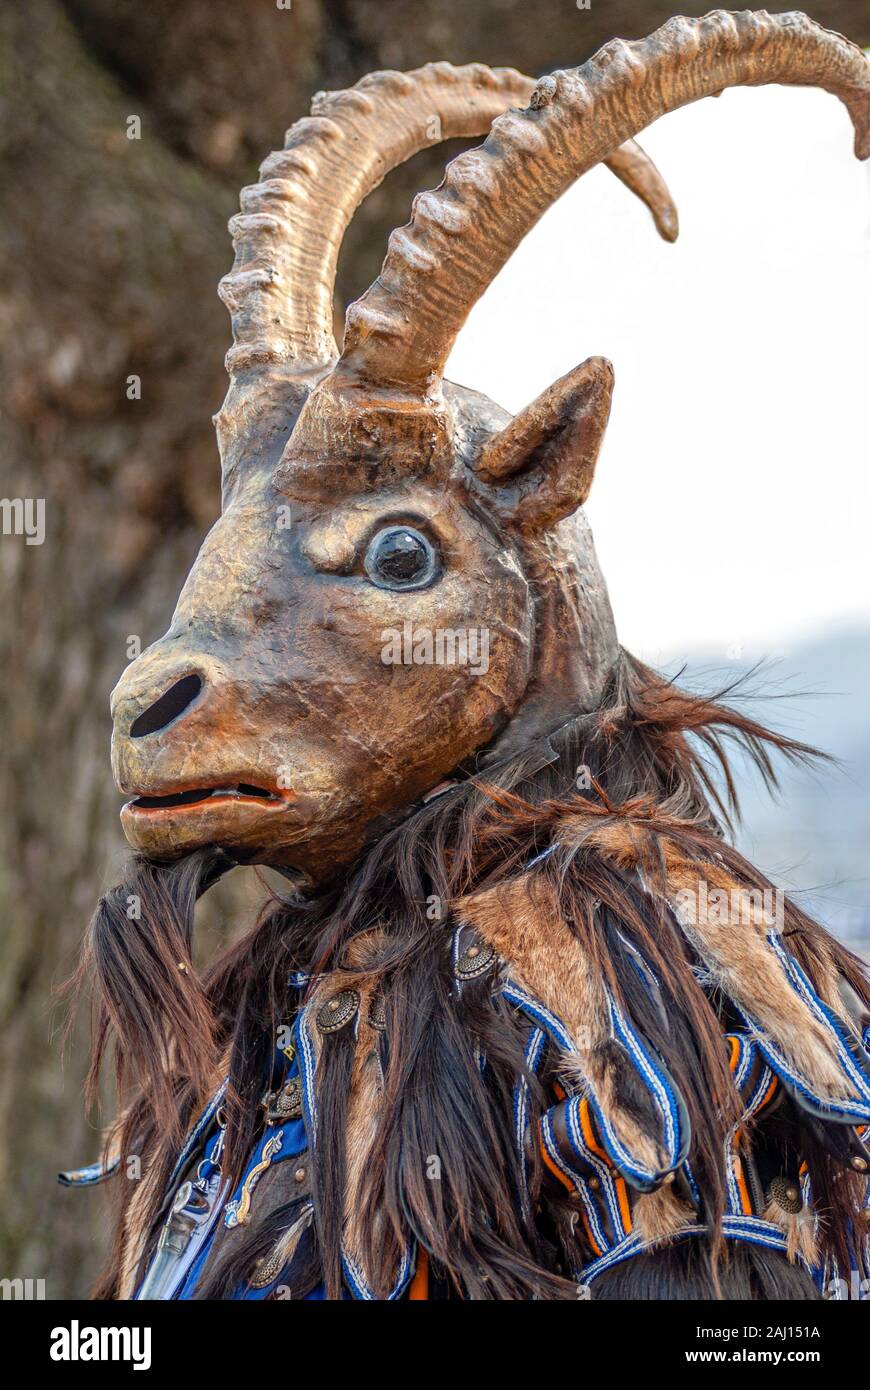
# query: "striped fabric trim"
[[746, 1228], [533, 1054], [857, 1073], [89, 1176], [307, 1066], [358, 1284], [539, 1014], [597, 1235], [855, 1111], [620, 1218], [746, 1053], [658, 1084]]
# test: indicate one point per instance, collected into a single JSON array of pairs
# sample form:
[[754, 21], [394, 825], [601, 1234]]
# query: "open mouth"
[[196, 795]]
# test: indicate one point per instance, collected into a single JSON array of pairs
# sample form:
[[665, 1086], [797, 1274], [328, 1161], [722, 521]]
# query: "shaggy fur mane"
[[657, 790]]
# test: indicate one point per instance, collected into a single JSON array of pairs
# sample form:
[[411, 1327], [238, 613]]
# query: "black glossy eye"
[[400, 558]]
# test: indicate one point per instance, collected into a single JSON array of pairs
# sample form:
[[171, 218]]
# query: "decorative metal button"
[[338, 1011], [786, 1193], [475, 960], [285, 1104], [860, 1164], [378, 1013]]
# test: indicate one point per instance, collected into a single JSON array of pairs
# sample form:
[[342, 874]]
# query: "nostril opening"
[[170, 705]]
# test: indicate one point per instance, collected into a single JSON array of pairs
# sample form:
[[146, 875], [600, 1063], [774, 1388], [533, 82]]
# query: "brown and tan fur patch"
[[522, 921], [662, 1214], [738, 956], [799, 1231], [135, 1232], [366, 1086]]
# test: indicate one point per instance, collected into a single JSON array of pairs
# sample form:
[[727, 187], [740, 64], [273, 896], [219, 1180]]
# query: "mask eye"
[[400, 558]]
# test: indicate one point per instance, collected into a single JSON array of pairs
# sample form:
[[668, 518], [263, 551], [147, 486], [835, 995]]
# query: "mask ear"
[[540, 466]]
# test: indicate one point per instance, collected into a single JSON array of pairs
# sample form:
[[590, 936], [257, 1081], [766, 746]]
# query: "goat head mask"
[[401, 582]]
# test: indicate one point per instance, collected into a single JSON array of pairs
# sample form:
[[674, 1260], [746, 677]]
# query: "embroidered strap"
[[853, 1061], [667, 1104], [91, 1175], [758, 1087], [743, 1228]]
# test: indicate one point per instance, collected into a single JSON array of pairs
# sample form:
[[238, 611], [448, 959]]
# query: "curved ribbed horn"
[[288, 234], [400, 333]]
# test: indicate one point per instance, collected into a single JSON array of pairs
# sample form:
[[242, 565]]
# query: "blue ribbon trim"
[[851, 1111], [746, 1228]]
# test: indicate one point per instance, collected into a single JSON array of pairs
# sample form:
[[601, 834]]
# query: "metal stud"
[[285, 1104], [378, 1014], [475, 960], [338, 1011], [860, 1164], [786, 1193]]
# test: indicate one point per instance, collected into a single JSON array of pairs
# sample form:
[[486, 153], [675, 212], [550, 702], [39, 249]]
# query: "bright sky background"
[[730, 502]]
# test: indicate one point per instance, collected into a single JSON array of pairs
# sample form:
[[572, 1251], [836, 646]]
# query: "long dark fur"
[[171, 1028]]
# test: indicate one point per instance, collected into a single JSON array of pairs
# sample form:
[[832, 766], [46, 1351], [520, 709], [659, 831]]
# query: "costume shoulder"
[[689, 1013]]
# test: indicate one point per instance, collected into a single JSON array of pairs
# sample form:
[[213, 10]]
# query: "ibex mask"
[[401, 582]]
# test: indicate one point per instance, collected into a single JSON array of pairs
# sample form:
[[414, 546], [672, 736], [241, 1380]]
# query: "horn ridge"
[[400, 332], [289, 230], [290, 226]]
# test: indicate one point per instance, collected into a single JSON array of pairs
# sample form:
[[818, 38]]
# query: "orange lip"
[[244, 822], [199, 798]]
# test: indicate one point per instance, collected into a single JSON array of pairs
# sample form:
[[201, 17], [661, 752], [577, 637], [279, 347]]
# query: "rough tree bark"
[[112, 248]]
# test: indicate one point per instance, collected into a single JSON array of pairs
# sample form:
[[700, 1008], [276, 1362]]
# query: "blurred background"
[[730, 504]]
